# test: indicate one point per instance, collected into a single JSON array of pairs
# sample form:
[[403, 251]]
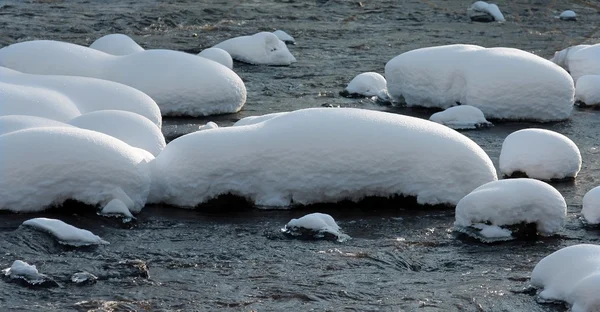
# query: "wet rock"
[[25, 274], [84, 278], [479, 16], [125, 269]]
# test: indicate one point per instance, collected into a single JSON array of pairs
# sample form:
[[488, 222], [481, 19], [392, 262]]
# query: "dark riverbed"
[[400, 258]]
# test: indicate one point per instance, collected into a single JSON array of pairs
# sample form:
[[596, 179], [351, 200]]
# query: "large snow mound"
[[512, 202], [584, 61], [491, 9], [263, 48], [63, 98], [65, 233], [540, 154], [571, 274], [218, 55], [42, 167], [250, 120], [591, 206], [368, 84], [587, 89], [116, 44], [181, 83], [321, 155], [461, 117], [489, 79]]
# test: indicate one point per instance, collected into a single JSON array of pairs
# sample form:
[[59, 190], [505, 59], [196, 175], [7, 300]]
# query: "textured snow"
[[587, 89], [540, 154], [368, 84], [116, 207], [321, 155], [63, 98], [218, 55], [65, 233], [181, 83], [489, 79], [511, 202], [250, 120], [461, 117], [591, 206], [571, 274], [116, 44], [561, 58], [491, 9], [584, 61], [263, 48], [568, 15], [285, 37], [42, 167]]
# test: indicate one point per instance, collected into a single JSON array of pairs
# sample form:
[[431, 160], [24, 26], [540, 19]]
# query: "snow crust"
[[116, 44], [250, 120], [461, 117], [42, 167], [263, 48], [181, 83], [587, 89], [561, 58], [368, 84], [218, 55], [321, 155], [584, 61], [511, 202], [572, 275], [540, 154], [491, 9], [591, 206], [65, 233], [489, 79], [285, 37]]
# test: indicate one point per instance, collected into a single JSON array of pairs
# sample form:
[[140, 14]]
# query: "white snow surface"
[[42, 167], [489, 79], [118, 207], [568, 14], [283, 36], [587, 89], [461, 117], [209, 125], [181, 83], [12, 123], [263, 48], [591, 206], [491, 9], [572, 275], [21, 268], [368, 84], [540, 154], [513, 201], [116, 44], [218, 55], [250, 120], [561, 58], [316, 222], [128, 127], [584, 61], [63, 98], [65, 233], [321, 155]]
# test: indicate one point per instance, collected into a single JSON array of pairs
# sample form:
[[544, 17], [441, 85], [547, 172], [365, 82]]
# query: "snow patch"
[[116, 44], [263, 48], [461, 117], [218, 55], [65, 233]]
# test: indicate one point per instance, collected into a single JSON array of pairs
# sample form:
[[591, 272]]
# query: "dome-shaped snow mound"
[[585, 60], [218, 55], [568, 15], [116, 44], [368, 84], [181, 83], [321, 155], [461, 117], [42, 167], [492, 208], [263, 48], [587, 90], [315, 226], [540, 154], [572, 275], [489, 79], [591, 206]]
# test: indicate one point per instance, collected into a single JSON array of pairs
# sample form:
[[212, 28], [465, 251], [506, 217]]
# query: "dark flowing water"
[[401, 258]]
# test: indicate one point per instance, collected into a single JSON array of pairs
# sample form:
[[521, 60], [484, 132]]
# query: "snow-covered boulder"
[[116, 44], [250, 120], [263, 48], [482, 11], [367, 84], [584, 61], [572, 275], [591, 206], [321, 155], [461, 117], [489, 79], [315, 226], [218, 55], [494, 210], [63, 98], [540, 154], [42, 167], [65, 233], [285, 37], [29, 274], [181, 83], [587, 90], [568, 15], [561, 58]]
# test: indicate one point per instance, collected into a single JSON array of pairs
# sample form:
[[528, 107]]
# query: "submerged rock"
[[25, 274], [568, 15], [84, 278]]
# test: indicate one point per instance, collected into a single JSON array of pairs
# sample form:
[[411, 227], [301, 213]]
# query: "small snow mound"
[[116, 207], [315, 225], [587, 90], [481, 7], [568, 15], [251, 120], [116, 44], [461, 117], [591, 206], [21, 270], [263, 48], [283, 36], [218, 55], [209, 125], [513, 202], [540, 154], [367, 84], [65, 233]]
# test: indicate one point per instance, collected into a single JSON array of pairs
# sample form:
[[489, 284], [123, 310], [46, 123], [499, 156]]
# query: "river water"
[[229, 257]]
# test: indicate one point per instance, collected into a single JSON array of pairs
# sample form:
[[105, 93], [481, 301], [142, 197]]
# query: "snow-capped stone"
[[513, 202], [572, 275], [591, 206], [84, 278], [584, 61], [568, 15], [116, 207], [23, 271], [116, 44], [283, 36], [250, 120], [561, 58], [263, 48], [479, 11], [489, 79], [218, 55], [208, 125], [368, 84], [540, 154], [181, 83], [587, 89], [461, 117], [295, 159], [315, 225], [65, 233], [42, 167]]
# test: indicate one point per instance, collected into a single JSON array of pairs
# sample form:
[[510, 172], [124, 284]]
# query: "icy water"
[[230, 257]]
